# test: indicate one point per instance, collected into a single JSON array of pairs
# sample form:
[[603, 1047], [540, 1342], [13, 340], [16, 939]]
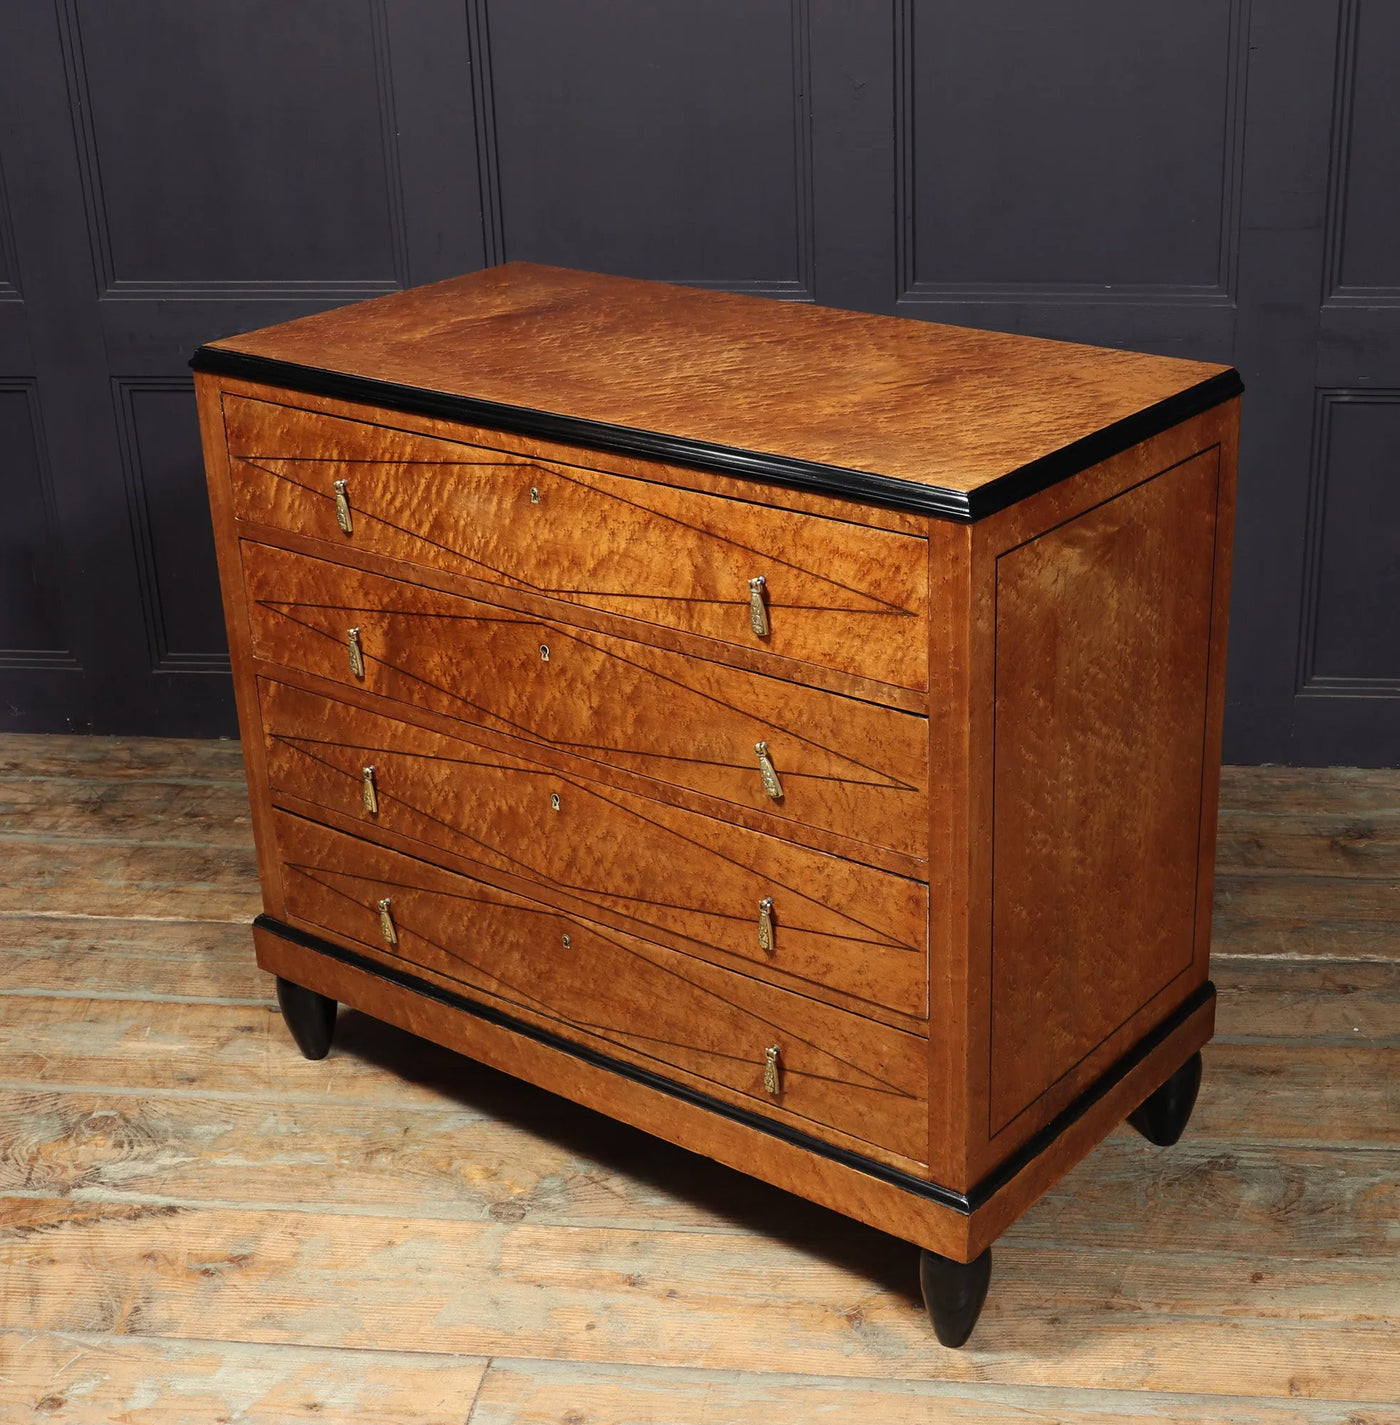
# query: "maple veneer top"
[[948, 420]]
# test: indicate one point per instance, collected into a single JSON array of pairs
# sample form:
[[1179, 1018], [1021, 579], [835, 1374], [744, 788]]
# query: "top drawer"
[[841, 595]]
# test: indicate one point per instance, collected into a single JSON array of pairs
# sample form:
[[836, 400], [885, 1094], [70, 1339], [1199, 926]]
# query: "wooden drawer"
[[839, 594], [637, 1001], [849, 767], [659, 871]]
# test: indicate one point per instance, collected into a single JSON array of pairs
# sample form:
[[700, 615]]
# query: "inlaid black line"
[[596, 895], [874, 1083], [884, 608], [494, 759], [578, 637]]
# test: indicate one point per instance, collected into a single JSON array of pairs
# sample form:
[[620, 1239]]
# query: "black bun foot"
[[954, 1293], [309, 1016], [1163, 1118]]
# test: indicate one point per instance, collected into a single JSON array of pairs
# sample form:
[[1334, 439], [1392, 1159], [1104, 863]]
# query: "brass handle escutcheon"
[[770, 1070], [758, 610], [765, 925], [342, 507], [356, 651], [368, 791], [768, 772], [386, 923]]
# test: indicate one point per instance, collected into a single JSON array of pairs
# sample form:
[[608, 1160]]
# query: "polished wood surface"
[[837, 594], [632, 999], [839, 928], [847, 766], [1102, 635], [198, 1220], [935, 405]]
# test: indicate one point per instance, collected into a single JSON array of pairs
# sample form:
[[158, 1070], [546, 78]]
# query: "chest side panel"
[[1102, 657]]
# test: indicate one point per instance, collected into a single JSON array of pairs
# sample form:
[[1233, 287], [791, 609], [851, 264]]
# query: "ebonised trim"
[[963, 1203], [883, 490]]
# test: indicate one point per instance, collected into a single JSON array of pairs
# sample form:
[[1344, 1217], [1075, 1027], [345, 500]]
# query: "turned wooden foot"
[[1163, 1118], [310, 1017], [954, 1293]]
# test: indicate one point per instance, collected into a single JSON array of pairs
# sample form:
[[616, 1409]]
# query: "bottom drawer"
[[637, 1001]]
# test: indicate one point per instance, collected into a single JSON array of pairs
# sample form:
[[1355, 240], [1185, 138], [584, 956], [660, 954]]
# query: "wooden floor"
[[199, 1226]]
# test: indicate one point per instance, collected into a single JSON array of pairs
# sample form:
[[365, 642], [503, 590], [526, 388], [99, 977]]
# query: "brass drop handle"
[[356, 651], [368, 791], [386, 923], [768, 772], [342, 507], [758, 610], [765, 925], [770, 1070]]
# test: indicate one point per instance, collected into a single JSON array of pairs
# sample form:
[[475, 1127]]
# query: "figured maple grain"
[[1103, 631], [847, 766], [838, 594], [936, 405], [635, 1000], [658, 871]]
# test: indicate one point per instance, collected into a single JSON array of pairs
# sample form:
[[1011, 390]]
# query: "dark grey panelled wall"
[[1212, 178]]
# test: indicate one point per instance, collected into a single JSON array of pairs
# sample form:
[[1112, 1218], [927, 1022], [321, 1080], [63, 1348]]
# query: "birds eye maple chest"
[[794, 733]]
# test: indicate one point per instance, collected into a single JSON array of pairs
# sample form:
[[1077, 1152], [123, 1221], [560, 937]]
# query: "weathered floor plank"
[[1269, 791], [1331, 917], [171, 882], [139, 959], [1315, 844], [526, 1157], [1311, 1002], [1230, 1325], [548, 1392], [76, 1379], [77, 756], [213, 814]]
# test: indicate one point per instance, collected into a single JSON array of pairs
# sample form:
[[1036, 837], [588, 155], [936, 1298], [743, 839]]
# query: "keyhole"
[[544, 653], [566, 941], [534, 495], [554, 800]]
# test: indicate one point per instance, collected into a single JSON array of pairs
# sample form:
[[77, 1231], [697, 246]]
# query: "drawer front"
[[638, 1001], [848, 767], [838, 594], [658, 871]]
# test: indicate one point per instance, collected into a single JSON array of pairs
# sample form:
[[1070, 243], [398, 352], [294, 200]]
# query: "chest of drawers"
[[793, 733]]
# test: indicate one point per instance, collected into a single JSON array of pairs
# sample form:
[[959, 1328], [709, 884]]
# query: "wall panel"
[[1210, 178], [658, 140]]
